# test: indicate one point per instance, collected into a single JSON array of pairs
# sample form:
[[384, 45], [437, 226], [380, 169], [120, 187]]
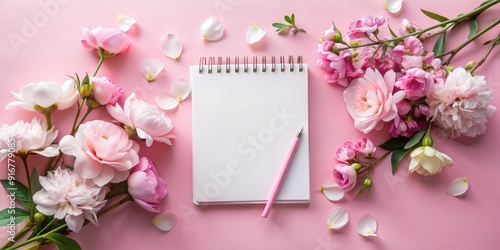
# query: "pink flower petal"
[[165, 221]]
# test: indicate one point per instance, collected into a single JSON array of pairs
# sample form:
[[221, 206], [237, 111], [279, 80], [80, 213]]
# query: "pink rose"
[[345, 176], [370, 100], [417, 83], [346, 153], [364, 147], [145, 186], [146, 120], [107, 41], [103, 152], [365, 26], [105, 91]]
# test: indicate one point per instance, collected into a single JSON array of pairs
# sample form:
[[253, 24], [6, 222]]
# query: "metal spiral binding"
[[211, 63]]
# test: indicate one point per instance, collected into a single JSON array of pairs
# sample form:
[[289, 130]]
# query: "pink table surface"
[[413, 212]]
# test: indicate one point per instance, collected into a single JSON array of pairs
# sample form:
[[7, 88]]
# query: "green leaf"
[[18, 190], [434, 16], [415, 139], [439, 45], [62, 242], [281, 26], [288, 20], [293, 18], [394, 143], [19, 215], [396, 157], [35, 182], [473, 26], [392, 32], [490, 41]]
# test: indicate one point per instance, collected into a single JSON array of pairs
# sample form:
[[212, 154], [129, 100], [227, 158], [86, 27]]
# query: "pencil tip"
[[299, 134]]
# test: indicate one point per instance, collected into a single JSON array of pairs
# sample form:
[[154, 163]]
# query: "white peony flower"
[[146, 120], [460, 105], [70, 197], [212, 29], [46, 96], [28, 138], [426, 160]]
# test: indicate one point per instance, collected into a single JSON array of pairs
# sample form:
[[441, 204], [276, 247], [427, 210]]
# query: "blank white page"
[[243, 126]]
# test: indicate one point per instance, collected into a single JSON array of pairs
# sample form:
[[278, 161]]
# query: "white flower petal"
[[212, 29], [166, 101], [150, 68], [337, 218], [367, 225], [255, 33], [171, 46], [125, 22], [333, 191], [165, 221], [180, 89], [393, 6], [458, 187]]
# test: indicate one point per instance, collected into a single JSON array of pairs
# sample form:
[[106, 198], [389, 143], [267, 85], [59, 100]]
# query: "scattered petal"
[[150, 68], [367, 225], [393, 6], [337, 218], [166, 101], [458, 187], [125, 22], [212, 29], [181, 89], [171, 46], [255, 33], [165, 221], [333, 191]]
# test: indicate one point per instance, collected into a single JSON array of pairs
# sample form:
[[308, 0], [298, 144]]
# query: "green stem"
[[487, 53], [84, 117], [48, 119], [98, 66], [47, 226], [454, 51], [78, 111], [28, 179], [18, 235], [37, 238], [107, 210], [373, 164]]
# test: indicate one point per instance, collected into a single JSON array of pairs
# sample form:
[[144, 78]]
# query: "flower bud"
[[427, 141], [39, 218], [85, 90], [470, 65], [356, 166], [367, 183], [93, 104], [337, 37]]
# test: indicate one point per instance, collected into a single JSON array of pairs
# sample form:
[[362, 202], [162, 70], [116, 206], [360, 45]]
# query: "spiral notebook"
[[245, 116]]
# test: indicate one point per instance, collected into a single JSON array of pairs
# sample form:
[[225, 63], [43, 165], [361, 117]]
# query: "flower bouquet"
[[401, 82], [94, 168]]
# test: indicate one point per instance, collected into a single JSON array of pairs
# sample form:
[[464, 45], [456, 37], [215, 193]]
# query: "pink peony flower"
[[103, 152], [411, 62], [369, 57], [346, 153], [365, 26], [27, 138], [345, 176], [107, 41], [460, 106], [146, 120], [105, 91], [70, 197], [416, 82], [146, 187], [370, 100], [411, 46], [364, 147], [46, 96], [403, 127]]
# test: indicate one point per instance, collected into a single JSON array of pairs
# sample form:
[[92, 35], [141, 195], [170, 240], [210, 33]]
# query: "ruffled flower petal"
[[151, 68], [337, 218], [171, 46], [333, 191], [181, 89], [165, 221], [458, 187], [255, 33], [212, 29], [166, 101], [125, 22], [393, 6], [367, 225]]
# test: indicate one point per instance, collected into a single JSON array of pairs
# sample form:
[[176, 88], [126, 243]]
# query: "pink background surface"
[[413, 212]]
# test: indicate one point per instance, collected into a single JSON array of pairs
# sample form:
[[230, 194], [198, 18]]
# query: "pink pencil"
[[282, 174]]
